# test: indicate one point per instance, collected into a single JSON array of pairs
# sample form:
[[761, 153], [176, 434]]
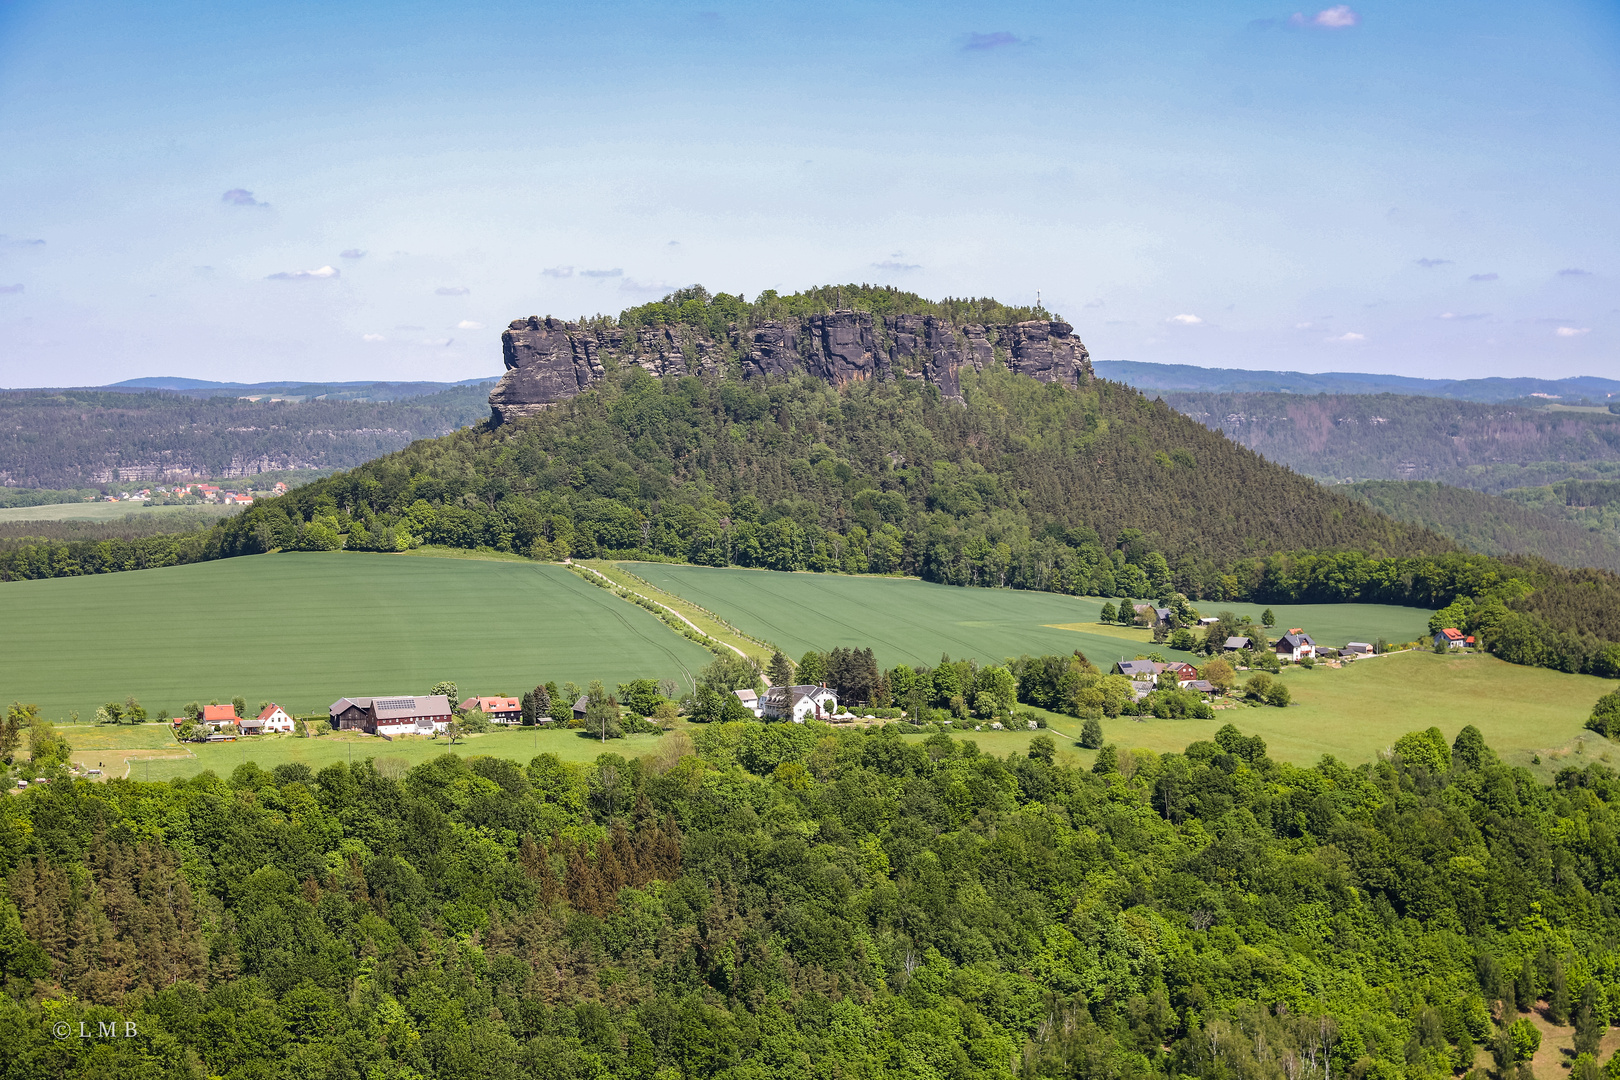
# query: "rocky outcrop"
[[548, 360]]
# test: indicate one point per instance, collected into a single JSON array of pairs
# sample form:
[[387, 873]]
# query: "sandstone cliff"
[[548, 360]]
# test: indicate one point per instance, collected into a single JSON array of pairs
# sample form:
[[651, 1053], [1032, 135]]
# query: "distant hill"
[[295, 391], [1185, 377], [1493, 524], [76, 438], [1345, 437]]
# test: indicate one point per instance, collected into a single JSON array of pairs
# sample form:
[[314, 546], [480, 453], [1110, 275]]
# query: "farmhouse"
[[1138, 669], [271, 718], [1357, 648], [1201, 686], [750, 700], [390, 716], [1451, 637], [214, 715], [798, 703], [580, 706], [500, 710], [1295, 645], [1182, 671], [1233, 644]]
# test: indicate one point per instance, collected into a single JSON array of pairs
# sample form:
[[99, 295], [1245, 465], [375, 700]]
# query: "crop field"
[[304, 629], [106, 511], [910, 621]]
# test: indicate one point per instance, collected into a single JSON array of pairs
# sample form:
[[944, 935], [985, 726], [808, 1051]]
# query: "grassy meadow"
[[304, 629], [909, 621], [107, 511]]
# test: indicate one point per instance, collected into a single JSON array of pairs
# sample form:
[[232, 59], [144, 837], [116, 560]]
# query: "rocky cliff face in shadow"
[[548, 360]]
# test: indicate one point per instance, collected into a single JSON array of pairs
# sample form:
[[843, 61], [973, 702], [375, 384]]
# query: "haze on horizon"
[[321, 191]]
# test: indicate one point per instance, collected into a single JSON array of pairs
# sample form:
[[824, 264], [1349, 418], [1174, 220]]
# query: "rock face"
[[548, 360]]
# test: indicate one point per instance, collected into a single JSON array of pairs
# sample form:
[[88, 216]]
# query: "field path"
[[666, 607]]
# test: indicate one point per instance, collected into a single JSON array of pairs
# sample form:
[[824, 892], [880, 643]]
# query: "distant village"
[[207, 493]]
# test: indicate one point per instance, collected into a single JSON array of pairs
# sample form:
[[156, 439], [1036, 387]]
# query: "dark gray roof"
[[1237, 643], [1293, 641], [346, 702]]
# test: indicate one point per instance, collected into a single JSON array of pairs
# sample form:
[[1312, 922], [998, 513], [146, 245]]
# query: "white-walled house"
[[271, 718], [798, 703], [1295, 645], [750, 700]]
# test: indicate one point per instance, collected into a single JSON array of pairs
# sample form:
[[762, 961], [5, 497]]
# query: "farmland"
[[910, 621], [109, 511], [303, 629]]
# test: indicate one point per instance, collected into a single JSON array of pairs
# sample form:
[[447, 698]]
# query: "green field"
[[910, 621], [304, 629], [1356, 711], [106, 511]]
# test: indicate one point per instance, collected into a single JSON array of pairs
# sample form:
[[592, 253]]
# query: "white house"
[[750, 700], [272, 718], [798, 703], [1295, 645]]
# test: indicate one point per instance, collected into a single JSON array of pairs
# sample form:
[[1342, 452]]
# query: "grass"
[[910, 621], [702, 618], [106, 511], [306, 628], [1354, 712], [272, 750]]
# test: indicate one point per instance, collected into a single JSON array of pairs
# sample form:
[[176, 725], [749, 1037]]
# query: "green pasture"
[[106, 511], [303, 629], [911, 621], [318, 752], [1355, 711]]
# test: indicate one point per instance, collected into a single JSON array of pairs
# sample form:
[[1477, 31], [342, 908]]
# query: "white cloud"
[[1492, 276], [558, 271], [351, 253], [240, 197], [296, 275], [1350, 336], [451, 290], [895, 266], [1572, 331], [1185, 320], [468, 324], [615, 272], [1338, 17], [372, 337]]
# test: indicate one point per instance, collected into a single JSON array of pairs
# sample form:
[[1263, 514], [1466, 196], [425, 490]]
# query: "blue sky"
[[361, 190]]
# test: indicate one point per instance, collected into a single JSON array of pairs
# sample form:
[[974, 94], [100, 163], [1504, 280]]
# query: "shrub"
[[1278, 694], [1091, 734], [1605, 718]]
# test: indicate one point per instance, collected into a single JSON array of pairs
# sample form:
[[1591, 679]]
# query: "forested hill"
[[1345, 437], [1494, 524], [1022, 482]]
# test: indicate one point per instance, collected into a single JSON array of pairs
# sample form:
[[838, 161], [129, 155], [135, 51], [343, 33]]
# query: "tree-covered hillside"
[[1024, 482], [1507, 524], [798, 902]]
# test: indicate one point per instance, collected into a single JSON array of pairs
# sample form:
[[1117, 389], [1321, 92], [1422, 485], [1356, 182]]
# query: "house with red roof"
[[1452, 638], [500, 710], [271, 718]]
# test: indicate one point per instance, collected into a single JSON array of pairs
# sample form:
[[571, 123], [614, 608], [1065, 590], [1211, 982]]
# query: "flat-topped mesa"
[[548, 360]]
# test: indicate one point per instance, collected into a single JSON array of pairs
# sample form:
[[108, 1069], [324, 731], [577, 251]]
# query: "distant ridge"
[[372, 390], [1153, 377]]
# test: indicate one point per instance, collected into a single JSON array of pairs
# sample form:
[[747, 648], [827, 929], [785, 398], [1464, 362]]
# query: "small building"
[[1357, 648], [580, 706], [500, 710], [1141, 688], [750, 701], [214, 715], [1295, 645], [1164, 616], [798, 703], [1233, 644], [1208, 620], [1182, 671], [391, 716], [1202, 686], [1139, 669], [1451, 638], [271, 718]]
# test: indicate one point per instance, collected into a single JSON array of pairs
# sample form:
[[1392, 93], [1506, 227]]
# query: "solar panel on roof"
[[396, 703]]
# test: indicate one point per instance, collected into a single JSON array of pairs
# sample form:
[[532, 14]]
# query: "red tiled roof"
[[218, 713], [268, 710], [1452, 633]]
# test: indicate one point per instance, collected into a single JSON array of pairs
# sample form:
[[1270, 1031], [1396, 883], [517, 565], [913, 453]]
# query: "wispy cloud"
[[451, 290], [240, 197], [351, 253], [558, 271], [1474, 317], [372, 337], [1338, 17], [300, 275], [1574, 271], [1430, 263], [11, 288], [468, 324], [615, 272], [1350, 336], [1572, 331], [1492, 276], [895, 266], [996, 39], [17, 241], [1185, 320]]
